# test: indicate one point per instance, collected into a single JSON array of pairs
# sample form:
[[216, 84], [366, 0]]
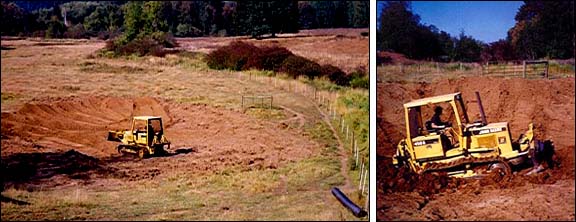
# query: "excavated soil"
[[549, 104], [66, 138]]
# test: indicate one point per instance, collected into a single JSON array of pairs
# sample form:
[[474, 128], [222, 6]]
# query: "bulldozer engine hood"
[[490, 128]]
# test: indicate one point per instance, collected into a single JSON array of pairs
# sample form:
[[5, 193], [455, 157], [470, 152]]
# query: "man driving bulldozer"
[[436, 121], [435, 124], [151, 134]]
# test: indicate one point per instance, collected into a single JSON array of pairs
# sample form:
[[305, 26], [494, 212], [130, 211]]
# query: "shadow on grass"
[[6, 199], [6, 48], [30, 168]]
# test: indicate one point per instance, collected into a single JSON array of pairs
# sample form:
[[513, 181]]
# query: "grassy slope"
[[299, 190]]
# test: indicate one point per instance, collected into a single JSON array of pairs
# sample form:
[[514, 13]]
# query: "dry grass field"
[[59, 101]]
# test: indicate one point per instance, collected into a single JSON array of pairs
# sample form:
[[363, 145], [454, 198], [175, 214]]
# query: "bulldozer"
[[462, 148], [145, 138]]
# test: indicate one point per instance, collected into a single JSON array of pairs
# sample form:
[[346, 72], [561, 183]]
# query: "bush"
[[243, 56], [139, 47], [335, 74], [360, 82], [152, 44], [165, 39], [234, 56], [269, 58], [76, 32], [39, 33], [187, 30], [359, 78], [104, 35], [383, 60], [296, 66]]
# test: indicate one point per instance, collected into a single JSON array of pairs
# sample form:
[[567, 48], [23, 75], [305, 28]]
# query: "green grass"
[[273, 113], [7, 97], [286, 193], [93, 67], [321, 133]]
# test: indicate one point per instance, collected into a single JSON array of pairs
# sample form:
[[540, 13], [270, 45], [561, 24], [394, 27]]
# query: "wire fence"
[[435, 70], [326, 100]]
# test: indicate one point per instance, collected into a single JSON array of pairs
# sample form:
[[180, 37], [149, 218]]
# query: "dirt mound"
[[204, 139], [393, 58], [74, 123], [549, 104]]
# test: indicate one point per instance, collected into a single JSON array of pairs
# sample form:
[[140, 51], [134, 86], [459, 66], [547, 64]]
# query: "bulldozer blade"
[[543, 153]]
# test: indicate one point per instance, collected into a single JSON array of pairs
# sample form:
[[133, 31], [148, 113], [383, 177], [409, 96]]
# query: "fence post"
[[361, 177], [352, 141], [524, 68], [314, 93], [357, 151], [364, 182], [547, 65]]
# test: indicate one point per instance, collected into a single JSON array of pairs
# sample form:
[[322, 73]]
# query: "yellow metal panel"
[[431, 100], [427, 150], [486, 141]]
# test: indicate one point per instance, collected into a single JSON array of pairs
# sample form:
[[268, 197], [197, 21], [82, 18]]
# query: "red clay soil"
[[384, 57], [39, 138], [549, 104]]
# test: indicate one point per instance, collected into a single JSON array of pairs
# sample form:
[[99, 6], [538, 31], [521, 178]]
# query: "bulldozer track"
[[442, 166]]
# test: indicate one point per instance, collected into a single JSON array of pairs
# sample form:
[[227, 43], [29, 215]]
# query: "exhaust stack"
[[482, 114]]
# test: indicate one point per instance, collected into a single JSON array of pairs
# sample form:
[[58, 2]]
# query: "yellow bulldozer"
[[459, 147], [145, 138]]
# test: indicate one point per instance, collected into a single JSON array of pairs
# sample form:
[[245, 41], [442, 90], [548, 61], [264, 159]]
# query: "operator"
[[151, 134], [437, 124], [436, 121]]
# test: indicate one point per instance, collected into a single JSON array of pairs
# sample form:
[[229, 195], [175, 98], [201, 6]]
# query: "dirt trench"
[[549, 104]]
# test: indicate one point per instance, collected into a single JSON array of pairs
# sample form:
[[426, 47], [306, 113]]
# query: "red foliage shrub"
[[335, 74], [269, 58], [234, 56], [297, 65]]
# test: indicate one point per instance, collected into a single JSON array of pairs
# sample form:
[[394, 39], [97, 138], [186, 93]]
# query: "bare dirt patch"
[[549, 104], [207, 138]]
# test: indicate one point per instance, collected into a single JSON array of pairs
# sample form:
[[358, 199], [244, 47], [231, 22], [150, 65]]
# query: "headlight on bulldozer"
[[502, 140]]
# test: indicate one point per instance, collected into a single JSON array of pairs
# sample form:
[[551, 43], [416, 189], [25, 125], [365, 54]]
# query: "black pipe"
[[357, 211], [484, 122]]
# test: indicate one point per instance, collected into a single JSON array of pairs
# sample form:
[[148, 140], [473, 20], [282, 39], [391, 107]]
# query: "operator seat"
[[446, 143]]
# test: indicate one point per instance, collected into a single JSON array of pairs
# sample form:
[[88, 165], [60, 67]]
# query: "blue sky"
[[486, 21]]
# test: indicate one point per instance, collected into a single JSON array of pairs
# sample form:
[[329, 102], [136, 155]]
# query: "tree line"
[[543, 29], [107, 19]]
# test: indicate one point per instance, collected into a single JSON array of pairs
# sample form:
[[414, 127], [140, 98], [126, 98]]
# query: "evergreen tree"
[[360, 14]]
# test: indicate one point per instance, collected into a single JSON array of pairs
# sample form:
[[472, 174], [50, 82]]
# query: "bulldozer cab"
[[427, 143], [146, 128]]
